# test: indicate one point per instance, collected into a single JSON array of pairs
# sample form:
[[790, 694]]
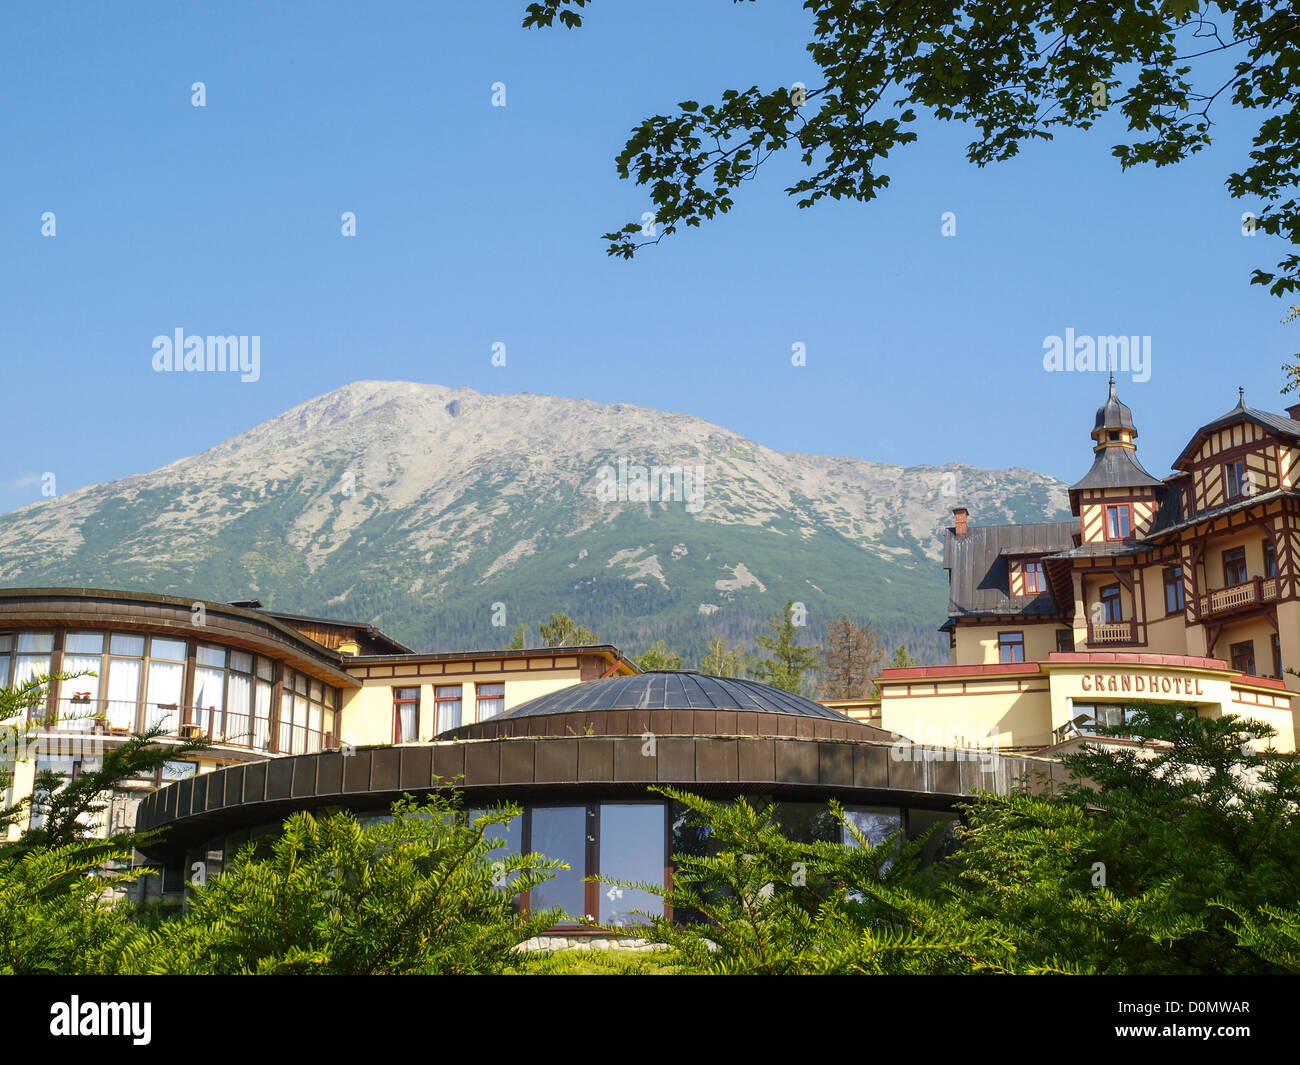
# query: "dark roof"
[[365, 627], [978, 572], [1275, 423], [671, 691], [1113, 414], [1114, 467]]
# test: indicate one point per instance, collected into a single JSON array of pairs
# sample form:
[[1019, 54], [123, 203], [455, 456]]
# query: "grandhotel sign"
[[1140, 683]]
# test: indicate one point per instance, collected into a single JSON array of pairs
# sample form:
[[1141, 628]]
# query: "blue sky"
[[478, 224]]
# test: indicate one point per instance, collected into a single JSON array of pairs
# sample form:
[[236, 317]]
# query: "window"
[[125, 669], [6, 657], [631, 848], [560, 832], [1270, 559], [1174, 601], [1065, 640], [446, 698], [1243, 657], [1034, 581], [1119, 522], [1011, 646], [165, 686], [406, 714], [489, 700], [1234, 479], [1088, 717], [1111, 609], [1277, 655], [79, 699], [1234, 566], [944, 839]]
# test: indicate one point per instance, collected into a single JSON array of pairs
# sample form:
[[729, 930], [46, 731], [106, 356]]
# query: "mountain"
[[421, 508]]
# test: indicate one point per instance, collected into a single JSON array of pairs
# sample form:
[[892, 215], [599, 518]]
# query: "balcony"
[[226, 728], [1236, 597], [1111, 633]]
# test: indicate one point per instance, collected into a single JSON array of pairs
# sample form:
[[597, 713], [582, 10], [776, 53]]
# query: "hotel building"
[[306, 713], [1184, 589]]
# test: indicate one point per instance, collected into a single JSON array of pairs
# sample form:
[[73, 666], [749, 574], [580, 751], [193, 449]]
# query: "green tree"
[[1014, 72], [852, 654], [787, 659], [657, 656], [518, 641], [723, 660], [422, 893], [563, 631]]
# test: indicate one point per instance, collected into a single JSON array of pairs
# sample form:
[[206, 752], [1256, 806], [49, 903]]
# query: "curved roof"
[[1113, 414], [671, 690], [1114, 467]]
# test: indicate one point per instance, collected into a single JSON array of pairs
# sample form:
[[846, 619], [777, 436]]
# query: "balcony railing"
[[1242, 596], [227, 728], [1113, 632]]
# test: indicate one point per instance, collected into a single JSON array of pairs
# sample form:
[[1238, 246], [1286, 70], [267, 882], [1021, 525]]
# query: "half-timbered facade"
[[1175, 586]]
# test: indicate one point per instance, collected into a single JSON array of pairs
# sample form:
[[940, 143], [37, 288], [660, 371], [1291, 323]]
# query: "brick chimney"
[[1293, 412], [959, 517]]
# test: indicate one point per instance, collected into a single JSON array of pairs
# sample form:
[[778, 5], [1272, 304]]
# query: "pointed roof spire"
[[1113, 414], [1241, 398]]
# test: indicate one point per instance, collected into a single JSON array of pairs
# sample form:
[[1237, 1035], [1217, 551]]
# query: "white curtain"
[[123, 692], [262, 717], [239, 724], [78, 715], [209, 693], [166, 685], [448, 710]]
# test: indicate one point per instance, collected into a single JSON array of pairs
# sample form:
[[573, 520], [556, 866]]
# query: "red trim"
[[1118, 658], [926, 672]]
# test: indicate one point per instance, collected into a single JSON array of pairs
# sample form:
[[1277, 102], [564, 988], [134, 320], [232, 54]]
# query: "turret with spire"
[[1116, 478]]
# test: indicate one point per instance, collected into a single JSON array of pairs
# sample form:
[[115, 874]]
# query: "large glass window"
[[446, 698], [631, 848], [876, 823], [125, 668], [80, 696], [1270, 559], [6, 657], [32, 660], [509, 835], [166, 685], [560, 832], [209, 686], [944, 840], [490, 700]]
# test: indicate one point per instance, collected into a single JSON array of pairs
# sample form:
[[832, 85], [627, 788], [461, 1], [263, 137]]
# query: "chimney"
[[1293, 412], [959, 516]]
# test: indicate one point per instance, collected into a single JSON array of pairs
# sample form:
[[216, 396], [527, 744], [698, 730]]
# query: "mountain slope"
[[420, 507]]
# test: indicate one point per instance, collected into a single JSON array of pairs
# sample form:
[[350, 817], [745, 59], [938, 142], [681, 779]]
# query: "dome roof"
[[1113, 414], [671, 690]]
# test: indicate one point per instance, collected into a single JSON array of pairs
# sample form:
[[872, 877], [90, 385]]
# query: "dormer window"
[[1119, 521], [1035, 583]]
